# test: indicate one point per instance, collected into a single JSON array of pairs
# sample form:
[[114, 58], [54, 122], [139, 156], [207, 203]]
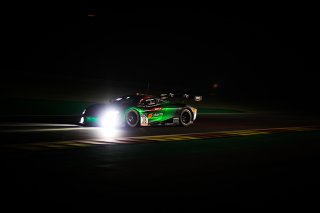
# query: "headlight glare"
[[110, 118]]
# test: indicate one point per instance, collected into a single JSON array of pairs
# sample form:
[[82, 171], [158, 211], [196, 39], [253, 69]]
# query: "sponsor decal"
[[156, 109], [175, 120], [157, 114], [150, 116], [144, 120]]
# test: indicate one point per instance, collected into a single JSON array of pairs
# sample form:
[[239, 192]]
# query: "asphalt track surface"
[[60, 130], [250, 160]]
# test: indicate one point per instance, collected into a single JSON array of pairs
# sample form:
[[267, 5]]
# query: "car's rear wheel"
[[185, 117], [132, 118]]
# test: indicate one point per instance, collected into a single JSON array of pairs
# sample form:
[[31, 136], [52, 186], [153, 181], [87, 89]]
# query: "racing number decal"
[[144, 120]]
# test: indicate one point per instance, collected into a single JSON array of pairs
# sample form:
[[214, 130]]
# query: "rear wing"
[[165, 96]]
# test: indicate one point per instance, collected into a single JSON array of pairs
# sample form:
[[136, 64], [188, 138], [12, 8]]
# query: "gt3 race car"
[[138, 110]]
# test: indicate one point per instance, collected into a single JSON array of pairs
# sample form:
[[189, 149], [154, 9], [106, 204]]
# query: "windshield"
[[127, 100], [139, 100]]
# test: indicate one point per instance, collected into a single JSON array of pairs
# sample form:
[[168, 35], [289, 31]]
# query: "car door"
[[153, 110]]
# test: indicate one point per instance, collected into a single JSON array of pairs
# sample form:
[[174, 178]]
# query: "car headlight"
[[110, 118]]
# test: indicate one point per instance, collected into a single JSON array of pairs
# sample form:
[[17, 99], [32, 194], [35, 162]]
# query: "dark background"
[[258, 54]]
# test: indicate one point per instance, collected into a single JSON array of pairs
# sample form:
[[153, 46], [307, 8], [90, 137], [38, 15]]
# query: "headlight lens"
[[110, 118]]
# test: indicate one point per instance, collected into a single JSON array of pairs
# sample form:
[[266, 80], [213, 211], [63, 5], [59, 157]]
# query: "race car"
[[139, 110]]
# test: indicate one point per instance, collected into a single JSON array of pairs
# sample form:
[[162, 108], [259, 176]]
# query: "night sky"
[[260, 54]]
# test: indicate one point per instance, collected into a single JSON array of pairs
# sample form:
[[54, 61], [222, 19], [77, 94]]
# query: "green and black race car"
[[138, 110]]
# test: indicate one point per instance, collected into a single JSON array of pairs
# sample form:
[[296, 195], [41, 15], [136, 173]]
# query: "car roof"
[[142, 96], [137, 97]]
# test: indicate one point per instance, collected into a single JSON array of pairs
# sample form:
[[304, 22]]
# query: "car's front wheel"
[[132, 118], [185, 117]]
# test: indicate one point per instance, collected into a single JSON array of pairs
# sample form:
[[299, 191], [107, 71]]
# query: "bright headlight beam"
[[109, 121], [110, 118], [106, 133]]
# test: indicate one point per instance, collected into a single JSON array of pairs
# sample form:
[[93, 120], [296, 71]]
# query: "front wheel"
[[132, 118], [185, 117]]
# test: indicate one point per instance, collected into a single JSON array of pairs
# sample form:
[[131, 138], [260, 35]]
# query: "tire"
[[132, 118], [185, 117]]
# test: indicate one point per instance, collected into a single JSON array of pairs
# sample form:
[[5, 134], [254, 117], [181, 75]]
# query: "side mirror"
[[197, 98]]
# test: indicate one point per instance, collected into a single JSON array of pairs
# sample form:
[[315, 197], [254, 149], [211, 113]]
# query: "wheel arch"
[[125, 117], [191, 116]]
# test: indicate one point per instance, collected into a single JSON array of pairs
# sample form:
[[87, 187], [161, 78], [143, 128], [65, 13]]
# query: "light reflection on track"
[[108, 140]]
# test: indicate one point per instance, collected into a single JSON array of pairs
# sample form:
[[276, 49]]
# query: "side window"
[[159, 101], [149, 102]]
